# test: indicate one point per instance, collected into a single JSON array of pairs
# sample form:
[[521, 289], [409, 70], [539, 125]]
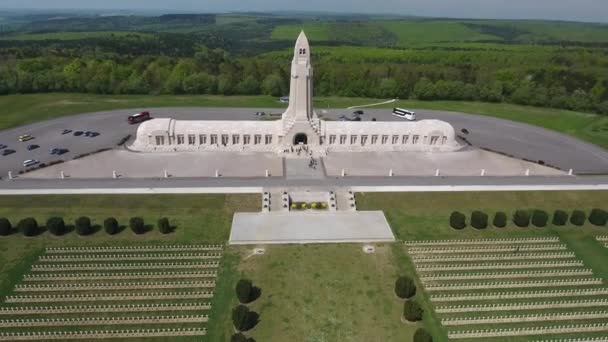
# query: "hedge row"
[[523, 218], [57, 226]]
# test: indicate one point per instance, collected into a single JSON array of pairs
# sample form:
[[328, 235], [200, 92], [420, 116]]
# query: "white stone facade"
[[299, 128]]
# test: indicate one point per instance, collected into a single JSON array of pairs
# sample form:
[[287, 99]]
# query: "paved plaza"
[[309, 227]]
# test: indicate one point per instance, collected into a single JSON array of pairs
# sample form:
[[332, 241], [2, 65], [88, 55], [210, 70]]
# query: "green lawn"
[[18, 110], [74, 35]]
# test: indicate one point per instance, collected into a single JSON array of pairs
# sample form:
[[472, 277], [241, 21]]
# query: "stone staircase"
[[278, 200]]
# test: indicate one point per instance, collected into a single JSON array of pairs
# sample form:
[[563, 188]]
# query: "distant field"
[[23, 109], [73, 35]]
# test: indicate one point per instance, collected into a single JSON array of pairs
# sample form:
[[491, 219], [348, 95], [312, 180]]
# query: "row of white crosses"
[[114, 308], [114, 286], [101, 334], [115, 249], [513, 284], [119, 276], [481, 241], [130, 257], [494, 257], [581, 303], [498, 266], [83, 321], [107, 297], [536, 317], [128, 266], [599, 291], [486, 249], [529, 331], [507, 275]]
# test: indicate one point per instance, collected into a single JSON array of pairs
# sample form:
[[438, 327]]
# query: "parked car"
[[260, 113], [59, 151], [91, 134], [358, 112], [7, 152], [78, 133], [25, 137], [2, 146], [32, 147], [66, 131], [465, 131], [30, 162]]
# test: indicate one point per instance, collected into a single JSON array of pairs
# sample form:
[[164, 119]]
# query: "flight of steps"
[[277, 200]]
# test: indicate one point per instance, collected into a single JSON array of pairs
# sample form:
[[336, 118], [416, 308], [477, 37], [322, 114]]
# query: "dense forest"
[[204, 54]]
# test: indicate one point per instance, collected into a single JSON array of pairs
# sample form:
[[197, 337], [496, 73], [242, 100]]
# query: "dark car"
[[260, 113], [465, 131], [66, 131], [91, 134], [78, 133], [2, 146], [32, 147], [59, 151], [358, 112], [7, 152]]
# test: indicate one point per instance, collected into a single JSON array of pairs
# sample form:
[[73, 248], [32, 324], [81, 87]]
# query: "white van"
[[30, 162], [404, 114]]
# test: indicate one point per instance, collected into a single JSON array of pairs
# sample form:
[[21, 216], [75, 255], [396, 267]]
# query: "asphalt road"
[[516, 139]]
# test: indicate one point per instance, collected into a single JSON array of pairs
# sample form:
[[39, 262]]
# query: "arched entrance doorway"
[[300, 139]]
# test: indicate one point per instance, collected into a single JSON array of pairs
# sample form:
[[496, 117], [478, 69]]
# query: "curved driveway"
[[516, 139]]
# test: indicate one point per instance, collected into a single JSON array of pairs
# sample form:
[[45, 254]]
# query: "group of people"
[[312, 163]]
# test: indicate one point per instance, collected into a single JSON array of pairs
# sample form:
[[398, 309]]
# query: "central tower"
[[301, 124]]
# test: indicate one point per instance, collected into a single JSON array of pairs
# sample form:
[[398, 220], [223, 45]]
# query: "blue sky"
[[582, 10]]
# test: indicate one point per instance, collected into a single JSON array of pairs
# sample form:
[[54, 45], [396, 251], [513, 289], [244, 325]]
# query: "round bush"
[[421, 335], [405, 287], [578, 218], [241, 338], [521, 218], [244, 290], [137, 225], [243, 319], [163, 226], [56, 226], [457, 220], [28, 226], [500, 220], [110, 225], [412, 311], [479, 220], [540, 218], [83, 226], [598, 217], [6, 228], [560, 218]]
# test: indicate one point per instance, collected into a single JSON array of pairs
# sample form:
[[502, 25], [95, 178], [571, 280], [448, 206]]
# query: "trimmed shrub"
[[241, 338], [457, 220], [137, 225], [405, 287], [540, 218], [244, 290], [421, 335], [560, 218], [5, 227], [243, 319], [500, 220], [578, 218], [83, 226], [28, 226], [56, 226], [479, 220], [412, 311], [163, 226], [598, 217], [110, 225], [521, 218]]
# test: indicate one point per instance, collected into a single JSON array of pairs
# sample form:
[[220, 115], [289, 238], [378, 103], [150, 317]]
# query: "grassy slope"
[[73, 35], [23, 109]]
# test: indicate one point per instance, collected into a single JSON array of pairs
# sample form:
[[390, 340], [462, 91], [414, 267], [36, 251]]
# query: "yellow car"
[[25, 137]]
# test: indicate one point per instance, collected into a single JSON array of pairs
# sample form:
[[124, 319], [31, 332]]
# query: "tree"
[[421, 335], [521, 218], [28, 226], [578, 218], [56, 226], [457, 220], [272, 85], [137, 225], [244, 290], [479, 220], [425, 90], [598, 217], [110, 225], [239, 337], [405, 287], [5, 226], [540, 218], [560, 218], [412, 311], [163, 226], [83, 226], [500, 220], [243, 319]]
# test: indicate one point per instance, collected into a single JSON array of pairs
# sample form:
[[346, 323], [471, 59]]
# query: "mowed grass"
[[19, 110], [326, 293]]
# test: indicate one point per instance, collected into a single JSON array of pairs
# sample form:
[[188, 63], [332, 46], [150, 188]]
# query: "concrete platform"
[[309, 227]]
